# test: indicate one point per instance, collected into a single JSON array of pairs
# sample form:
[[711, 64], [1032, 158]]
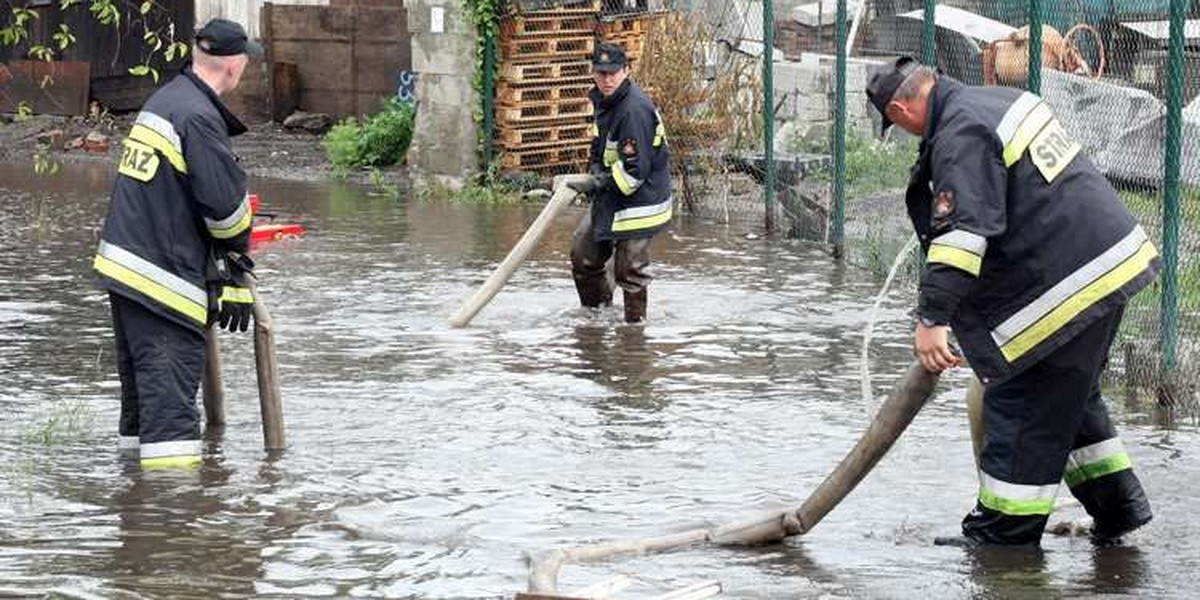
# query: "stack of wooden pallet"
[[543, 113], [629, 31]]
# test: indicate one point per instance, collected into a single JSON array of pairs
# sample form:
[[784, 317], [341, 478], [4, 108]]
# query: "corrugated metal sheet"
[[245, 12]]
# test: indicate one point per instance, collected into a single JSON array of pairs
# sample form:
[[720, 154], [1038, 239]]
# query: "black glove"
[[230, 302], [237, 307], [586, 186], [597, 182]]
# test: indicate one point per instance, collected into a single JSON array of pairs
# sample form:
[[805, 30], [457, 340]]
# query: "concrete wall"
[[445, 140], [806, 89]]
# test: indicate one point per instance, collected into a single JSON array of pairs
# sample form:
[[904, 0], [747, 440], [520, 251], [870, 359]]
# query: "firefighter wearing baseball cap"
[[171, 253], [630, 189], [1031, 259]]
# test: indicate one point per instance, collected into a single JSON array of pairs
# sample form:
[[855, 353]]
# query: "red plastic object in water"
[[273, 232]]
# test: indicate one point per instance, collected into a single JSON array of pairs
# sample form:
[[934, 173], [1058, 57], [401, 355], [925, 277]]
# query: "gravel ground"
[[267, 150]]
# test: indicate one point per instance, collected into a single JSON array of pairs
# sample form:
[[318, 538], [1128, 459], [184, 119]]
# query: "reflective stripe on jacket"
[[630, 147], [179, 189], [1027, 243]]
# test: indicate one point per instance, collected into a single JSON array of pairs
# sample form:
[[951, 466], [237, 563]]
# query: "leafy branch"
[[158, 41]]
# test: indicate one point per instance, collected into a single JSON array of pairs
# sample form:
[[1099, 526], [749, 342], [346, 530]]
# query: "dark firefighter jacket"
[[179, 189], [1027, 243], [630, 147]]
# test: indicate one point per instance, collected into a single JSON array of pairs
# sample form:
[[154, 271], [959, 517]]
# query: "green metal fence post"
[[838, 234], [768, 59], [1170, 243], [1035, 46], [929, 34], [489, 97]]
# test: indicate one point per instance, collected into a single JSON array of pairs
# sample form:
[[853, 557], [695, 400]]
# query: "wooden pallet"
[[632, 44], [528, 49], [562, 24], [576, 70], [548, 157], [533, 112], [540, 7], [515, 95], [530, 138]]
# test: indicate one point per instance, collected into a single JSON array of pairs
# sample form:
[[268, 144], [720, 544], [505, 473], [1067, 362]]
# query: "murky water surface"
[[425, 462]]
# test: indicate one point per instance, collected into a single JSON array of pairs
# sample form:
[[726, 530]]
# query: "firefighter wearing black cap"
[[172, 250], [630, 189], [1031, 258]]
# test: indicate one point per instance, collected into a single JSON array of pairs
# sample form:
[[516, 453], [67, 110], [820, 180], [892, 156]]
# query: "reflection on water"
[[427, 462]]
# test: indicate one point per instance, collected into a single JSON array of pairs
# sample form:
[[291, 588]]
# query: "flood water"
[[426, 462]]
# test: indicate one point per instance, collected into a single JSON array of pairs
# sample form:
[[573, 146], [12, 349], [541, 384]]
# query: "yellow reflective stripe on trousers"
[[1093, 282], [642, 217], [627, 183], [171, 454], [232, 225], [147, 278], [172, 462], [1038, 118], [155, 140], [236, 294], [1016, 499], [1096, 461], [955, 257]]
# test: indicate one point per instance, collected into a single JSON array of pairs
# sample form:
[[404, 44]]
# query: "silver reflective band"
[[152, 272], [1068, 287], [175, 448], [963, 240], [128, 442], [1017, 491], [628, 183], [1015, 115], [231, 220], [638, 212], [162, 127], [1094, 453]]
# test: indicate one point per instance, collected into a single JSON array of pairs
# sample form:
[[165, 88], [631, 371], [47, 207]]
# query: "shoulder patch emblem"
[[943, 205], [629, 148]]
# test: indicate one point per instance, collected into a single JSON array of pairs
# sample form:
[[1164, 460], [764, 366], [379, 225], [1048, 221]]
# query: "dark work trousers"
[[160, 364], [1046, 425], [631, 263]]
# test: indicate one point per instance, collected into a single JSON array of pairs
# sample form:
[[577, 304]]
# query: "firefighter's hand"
[[933, 348], [587, 186], [237, 307]]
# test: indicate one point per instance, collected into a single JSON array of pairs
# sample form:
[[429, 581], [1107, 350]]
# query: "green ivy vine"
[[485, 16]]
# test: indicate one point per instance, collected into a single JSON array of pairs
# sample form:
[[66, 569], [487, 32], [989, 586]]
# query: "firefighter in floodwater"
[[630, 189], [1032, 258], [172, 250]]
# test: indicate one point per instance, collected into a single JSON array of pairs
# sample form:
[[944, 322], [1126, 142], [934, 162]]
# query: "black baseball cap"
[[884, 82], [222, 37], [609, 58]]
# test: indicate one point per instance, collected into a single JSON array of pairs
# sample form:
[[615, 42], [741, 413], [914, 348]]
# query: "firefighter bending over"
[[1032, 258]]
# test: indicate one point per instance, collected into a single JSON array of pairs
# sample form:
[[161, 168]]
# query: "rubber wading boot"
[[635, 306], [593, 293]]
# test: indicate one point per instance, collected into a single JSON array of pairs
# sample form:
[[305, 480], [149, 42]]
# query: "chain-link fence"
[[1107, 72], [1122, 76]]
